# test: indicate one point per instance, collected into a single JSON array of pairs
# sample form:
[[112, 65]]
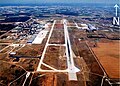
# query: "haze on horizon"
[[57, 1]]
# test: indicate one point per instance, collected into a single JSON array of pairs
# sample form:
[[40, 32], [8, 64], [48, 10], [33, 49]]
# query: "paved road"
[[27, 75]]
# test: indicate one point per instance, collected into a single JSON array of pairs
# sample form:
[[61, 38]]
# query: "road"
[[4, 48], [71, 66], [27, 75]]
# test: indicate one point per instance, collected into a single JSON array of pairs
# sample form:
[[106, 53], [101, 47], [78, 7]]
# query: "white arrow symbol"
[[116, 7]]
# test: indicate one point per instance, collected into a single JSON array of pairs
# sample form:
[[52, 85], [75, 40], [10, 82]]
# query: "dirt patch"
[[44, 79]]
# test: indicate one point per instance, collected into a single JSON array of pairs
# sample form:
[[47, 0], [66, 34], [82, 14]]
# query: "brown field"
[[57, 36], [108, 55], [28, 63], [34, 50], [54, 79], [54, 58], [10, 72]]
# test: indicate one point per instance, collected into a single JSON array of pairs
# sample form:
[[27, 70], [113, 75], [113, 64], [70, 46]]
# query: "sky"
[[57, 1]]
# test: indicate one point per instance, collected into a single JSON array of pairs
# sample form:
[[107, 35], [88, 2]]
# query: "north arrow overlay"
[[116, 8]]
